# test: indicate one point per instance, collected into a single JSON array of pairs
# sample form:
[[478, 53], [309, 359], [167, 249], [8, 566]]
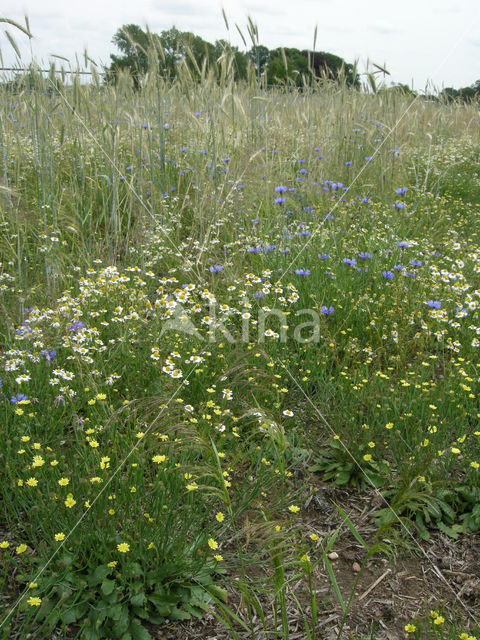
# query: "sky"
[[419, 41]]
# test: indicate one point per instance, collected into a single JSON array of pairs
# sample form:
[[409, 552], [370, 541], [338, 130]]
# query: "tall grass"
[[154, 448]]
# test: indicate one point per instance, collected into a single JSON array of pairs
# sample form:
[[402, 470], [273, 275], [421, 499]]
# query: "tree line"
[[172, 48]]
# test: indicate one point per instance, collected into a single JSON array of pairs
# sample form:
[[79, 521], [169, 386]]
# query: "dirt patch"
[[440, 574]]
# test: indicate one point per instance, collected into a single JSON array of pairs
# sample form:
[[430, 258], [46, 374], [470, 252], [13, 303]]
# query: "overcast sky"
[[417, 40]]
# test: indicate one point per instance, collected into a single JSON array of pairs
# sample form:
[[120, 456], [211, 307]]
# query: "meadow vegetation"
[[216, 298]]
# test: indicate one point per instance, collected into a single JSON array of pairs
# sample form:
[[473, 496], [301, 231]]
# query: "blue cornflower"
[[365, 199], [399, 206], [416, 263], [401, 190], [398, 267], [302, 272], [279, 200], [75, 326], [18, 398], [259, 294], [304, 234], [368, 158], [323, 256], [434, 304], [48, 355], [388, 275], [403, 244], [348, 163], [144, 126], [327, 311], [216, 268], [280, 189], [364, 255], [350, 261]]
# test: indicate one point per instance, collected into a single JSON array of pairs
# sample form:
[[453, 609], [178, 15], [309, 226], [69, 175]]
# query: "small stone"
[[333, 555], [356, 567]]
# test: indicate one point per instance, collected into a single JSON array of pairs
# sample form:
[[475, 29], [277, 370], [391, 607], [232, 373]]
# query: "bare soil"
[[439, 574]]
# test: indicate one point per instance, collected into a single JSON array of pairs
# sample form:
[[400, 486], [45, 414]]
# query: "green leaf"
[[422, 530], [450, 531], [121, 626], [138, 600], [141, 612], [132, 570], [351, 526], [217, 592], [343, 477], [334, 583], [448, 511], [138, 631], [373, 479], [316, 467], [115, 612], [161, 606], [100, 573], [72, 615], [196, 611], [67, 559], [178, 614], [108, 586]]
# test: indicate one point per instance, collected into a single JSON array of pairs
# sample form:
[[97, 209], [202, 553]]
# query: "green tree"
[[172, 48], [331, 66], [239, 58], [287, 65], [300, 66], [133, 42], [259, 54]]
